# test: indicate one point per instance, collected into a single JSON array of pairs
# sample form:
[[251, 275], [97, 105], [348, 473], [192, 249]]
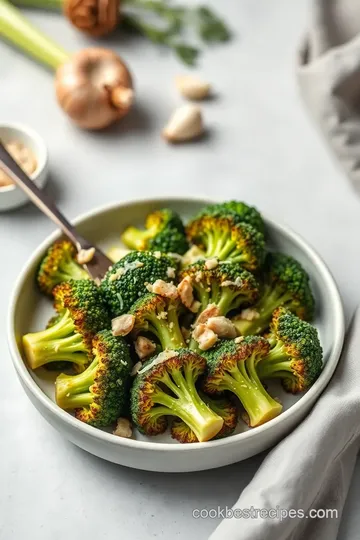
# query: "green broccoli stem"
[[72, 391], [223, 248], [58, 342], [276, 364], [265, 307], [15, 28], [167, 330], [229, 299], [135, 238], [70, 270], [215, 242], [187, 405], [244, 382]]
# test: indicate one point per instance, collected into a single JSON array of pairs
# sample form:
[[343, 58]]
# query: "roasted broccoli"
[[239, 211], [296, 353], [228, 286], [81, 315], [58, 265], [285, 284], [158, 317], [100, 394], [60, 365], [127, 279], [164, 231], [223, 407], [166, 387], [223, 238], [231, 366]]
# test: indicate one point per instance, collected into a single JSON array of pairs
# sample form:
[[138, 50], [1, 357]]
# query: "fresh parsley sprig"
[[172, 22]]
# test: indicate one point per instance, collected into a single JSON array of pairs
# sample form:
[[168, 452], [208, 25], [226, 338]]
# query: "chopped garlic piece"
[[210, 311], [195, 306], [170, 272], [144, 347], [85, 255], [116, 275], [122, 326], [249, 314], [168, 290], [236, 283], [186, 292], [123, 428], [205, 337], [210, 264], [222, 327]]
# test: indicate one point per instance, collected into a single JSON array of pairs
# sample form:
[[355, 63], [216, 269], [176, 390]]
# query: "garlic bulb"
[[94, 88], [94, 17], [192, 87], [184, 125]]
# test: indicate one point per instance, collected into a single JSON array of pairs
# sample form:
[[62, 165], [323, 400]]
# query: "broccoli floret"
[[223, 238], [232, 367], [296, 355], [58, 265], [239, 211], [223, 407], [285, 284], [166, 387], [228, 286], [158, 317], [126, 280], [81, 315], [164, 231], [100, 394]]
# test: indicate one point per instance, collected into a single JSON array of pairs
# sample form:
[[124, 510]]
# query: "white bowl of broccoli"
[[220, 348]]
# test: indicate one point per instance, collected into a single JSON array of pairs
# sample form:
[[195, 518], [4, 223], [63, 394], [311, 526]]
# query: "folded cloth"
[[329, 78], [311, 469]]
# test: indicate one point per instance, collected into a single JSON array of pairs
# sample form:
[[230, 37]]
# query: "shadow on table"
[[220, 486]]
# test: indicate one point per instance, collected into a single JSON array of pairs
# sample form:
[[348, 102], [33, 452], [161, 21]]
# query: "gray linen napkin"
[[329, 78], [312, 467]]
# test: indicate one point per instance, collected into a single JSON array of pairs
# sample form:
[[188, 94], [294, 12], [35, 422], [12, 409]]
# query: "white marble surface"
[[261, 148]]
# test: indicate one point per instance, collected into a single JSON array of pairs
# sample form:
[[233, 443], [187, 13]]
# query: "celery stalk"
[[16, 29], [41, 4]]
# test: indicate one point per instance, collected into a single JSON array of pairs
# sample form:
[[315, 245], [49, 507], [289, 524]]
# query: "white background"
[[261, 148]]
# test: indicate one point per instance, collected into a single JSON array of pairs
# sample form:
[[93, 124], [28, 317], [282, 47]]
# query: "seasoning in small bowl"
[[29, 150], [23, 156]]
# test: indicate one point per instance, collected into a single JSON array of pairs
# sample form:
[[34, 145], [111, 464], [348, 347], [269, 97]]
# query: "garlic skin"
[[94, 17], [192, 87], [94, 88], [185, 124]]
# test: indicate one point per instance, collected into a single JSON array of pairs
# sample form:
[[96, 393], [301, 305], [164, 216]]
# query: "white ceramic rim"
[[41, 158], [317, 388]]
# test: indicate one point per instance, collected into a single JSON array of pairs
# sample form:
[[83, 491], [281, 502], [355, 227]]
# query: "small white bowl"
[[29, 311], [11, 196]]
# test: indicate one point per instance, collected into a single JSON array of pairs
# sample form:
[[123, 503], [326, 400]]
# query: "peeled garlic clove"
[[191, 87], [184, 125]]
